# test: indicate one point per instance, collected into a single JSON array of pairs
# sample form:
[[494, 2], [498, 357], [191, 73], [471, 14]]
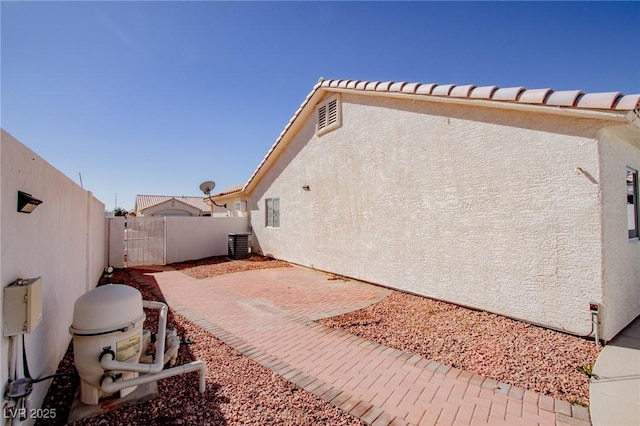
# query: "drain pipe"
[[107, 358], [594, 308], [110, 386]]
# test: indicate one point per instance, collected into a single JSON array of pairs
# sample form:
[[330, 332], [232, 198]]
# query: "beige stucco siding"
[[480, 207], [620, 148]]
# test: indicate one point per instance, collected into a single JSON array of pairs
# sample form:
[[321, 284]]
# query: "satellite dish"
[[207, 187]]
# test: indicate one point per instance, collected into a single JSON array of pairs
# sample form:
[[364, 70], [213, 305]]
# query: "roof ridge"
[[616, 101]]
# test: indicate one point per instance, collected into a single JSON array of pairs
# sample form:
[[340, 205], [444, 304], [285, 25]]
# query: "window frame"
[[325, 120], [632, 199], [272, 212]]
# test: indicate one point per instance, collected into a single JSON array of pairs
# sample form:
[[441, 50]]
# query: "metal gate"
[[144, 241]]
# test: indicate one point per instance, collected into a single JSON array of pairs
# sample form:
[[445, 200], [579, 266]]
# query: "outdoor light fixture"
[[26, 203], [306, 188]]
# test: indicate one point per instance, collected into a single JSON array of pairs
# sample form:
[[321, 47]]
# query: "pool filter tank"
[[109, 344], [107, 321]]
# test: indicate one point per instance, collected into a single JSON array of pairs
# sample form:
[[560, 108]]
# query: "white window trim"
[[636, 208], [328, 115], [270, 220]]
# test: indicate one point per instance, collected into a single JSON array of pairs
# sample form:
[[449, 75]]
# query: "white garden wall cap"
[[604, 100], [483, 92], [535, 96], [442, 89], [628, 103], [425, 89], [461, 91], [397, 86], [566, 98], [508, 93]]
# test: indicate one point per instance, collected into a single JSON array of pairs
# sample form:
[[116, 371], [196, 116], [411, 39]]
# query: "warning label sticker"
[[127, 348]]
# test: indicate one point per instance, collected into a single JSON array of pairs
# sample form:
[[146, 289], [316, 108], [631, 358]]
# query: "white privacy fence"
[[164, 240]]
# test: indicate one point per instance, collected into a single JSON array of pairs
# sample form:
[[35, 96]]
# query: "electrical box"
[[22, 306]]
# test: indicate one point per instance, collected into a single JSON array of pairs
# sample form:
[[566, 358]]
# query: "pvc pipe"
[[156, 367], [200, 366], [13, 356]]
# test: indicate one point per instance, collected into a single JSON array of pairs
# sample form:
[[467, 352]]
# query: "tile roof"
[[228, 191], [576, 100], [146, 201], [568, 98]]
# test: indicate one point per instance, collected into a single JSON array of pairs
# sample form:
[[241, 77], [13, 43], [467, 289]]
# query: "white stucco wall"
[[200, 237], [481, 207], [63, 241], [620, 148]]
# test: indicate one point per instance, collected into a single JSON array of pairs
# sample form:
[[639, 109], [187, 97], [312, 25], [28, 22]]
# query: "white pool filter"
[[109, 343], [106, 320]]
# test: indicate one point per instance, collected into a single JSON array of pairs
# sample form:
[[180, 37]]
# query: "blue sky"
[[157, 97]]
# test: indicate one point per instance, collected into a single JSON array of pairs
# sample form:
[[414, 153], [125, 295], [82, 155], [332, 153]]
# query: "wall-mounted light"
[[306, 188], [26, 203]]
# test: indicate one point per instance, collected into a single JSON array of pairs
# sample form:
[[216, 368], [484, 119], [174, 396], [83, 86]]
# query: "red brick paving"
[[267, 315]]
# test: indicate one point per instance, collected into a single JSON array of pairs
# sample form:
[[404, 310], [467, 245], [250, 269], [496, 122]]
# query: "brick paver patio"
[[268, 315]]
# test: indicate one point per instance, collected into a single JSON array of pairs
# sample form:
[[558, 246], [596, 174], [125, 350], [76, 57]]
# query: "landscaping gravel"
[[489, 345], [240, 391]]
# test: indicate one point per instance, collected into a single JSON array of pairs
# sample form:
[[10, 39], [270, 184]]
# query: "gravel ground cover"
[[239, 391], [489, 345]]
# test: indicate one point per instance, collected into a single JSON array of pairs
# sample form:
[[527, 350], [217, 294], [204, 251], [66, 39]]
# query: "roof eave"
[[320, 89]]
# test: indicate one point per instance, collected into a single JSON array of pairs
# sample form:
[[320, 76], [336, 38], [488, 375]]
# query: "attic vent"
[[328, 115]]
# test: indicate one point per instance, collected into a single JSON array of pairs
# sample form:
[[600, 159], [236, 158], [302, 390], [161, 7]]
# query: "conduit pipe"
[[108, 362], [110, 386]]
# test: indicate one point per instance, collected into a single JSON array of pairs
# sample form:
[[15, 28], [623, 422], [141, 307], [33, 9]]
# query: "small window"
[[632, 202], [240, 206], [272, 212], [329, 115]]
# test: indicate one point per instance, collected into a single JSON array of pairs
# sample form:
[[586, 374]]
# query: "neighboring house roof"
[[229, 191], [143, 202], [612, 104]]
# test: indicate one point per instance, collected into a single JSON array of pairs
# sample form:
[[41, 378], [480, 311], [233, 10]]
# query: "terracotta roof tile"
[[442, 89], [397, 87], [146, 201], [461, 91], [384, 87], [564, 98], [371, 85], [507, 93], [410, 87], [534, 96], [541, 97], [484, 92], [628, 102], [599, 100], [425, 89]]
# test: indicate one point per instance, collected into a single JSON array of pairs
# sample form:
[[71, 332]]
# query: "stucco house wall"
[[619, 149], [62, 241], [483, 207]]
